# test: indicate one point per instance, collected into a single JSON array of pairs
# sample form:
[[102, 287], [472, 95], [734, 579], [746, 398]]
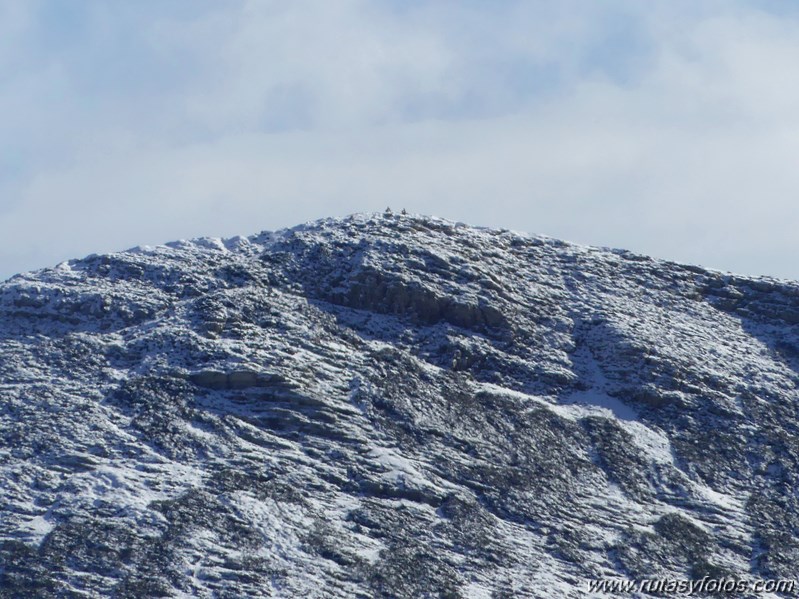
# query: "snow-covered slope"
[[392, 406]]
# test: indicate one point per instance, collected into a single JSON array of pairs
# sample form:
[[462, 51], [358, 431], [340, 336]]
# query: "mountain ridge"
[[392, 405]]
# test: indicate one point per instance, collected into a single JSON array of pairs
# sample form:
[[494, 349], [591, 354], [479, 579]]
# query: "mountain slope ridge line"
[[392, 405]]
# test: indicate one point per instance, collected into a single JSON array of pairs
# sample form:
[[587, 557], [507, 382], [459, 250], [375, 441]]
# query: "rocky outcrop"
[[237, 379]]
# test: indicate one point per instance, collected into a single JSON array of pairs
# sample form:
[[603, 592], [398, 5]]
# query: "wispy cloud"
[[665, 127]]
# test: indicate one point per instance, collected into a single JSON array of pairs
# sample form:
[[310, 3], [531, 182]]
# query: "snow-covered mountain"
[[392, 406]]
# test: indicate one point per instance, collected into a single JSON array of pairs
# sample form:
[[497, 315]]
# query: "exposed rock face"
[[392, 406]]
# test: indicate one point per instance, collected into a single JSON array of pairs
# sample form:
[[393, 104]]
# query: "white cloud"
[[661, 127]]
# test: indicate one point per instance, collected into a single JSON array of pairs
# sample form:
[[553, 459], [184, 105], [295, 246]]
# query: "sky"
[[669, 128]]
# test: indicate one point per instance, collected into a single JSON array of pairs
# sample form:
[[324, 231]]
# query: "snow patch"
[[596, 401]]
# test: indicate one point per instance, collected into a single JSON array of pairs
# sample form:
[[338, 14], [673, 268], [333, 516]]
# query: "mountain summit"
[[392, 406]]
